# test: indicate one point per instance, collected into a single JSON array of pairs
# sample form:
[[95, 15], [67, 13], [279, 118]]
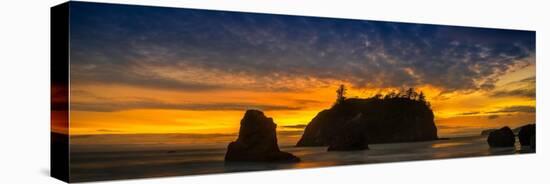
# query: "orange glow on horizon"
[[285, 107]]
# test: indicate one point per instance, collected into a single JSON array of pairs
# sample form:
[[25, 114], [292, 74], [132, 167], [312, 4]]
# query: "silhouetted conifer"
[[341, 94]]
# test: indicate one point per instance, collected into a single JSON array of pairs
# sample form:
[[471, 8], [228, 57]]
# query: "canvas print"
[[140, 91]]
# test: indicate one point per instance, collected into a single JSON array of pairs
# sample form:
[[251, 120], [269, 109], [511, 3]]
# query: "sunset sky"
[[158, 70]]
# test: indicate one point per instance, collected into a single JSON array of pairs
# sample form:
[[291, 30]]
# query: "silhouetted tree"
[[409, 93], [340, 94], [391, 94], [414, 95], [398, 94], [421, 97]]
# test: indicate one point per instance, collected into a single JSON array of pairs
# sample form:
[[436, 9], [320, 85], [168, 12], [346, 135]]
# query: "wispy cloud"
[[521, 88], [121, 106], [493, 116], [107, 130], [469, 113], [299, 126], [512, 109], [272, 50], [529, 93]]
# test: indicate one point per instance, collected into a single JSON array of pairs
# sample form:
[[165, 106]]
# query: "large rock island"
[[353, 123], [527, 135], [257, 141], [503, 137]]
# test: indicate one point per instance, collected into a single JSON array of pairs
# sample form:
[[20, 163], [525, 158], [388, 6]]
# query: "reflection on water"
[[124, 161], [314, 164], [447, 144]]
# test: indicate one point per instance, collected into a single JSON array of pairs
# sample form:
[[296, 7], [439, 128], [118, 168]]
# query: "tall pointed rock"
[[257, 141]]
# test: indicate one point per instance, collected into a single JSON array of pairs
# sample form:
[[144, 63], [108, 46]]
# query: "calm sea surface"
[[138, 156]]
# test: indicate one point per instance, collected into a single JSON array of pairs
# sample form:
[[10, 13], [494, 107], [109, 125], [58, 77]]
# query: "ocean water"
[[117, 157]]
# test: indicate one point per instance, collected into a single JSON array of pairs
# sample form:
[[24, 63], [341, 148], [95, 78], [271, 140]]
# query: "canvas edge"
[[59, 88]]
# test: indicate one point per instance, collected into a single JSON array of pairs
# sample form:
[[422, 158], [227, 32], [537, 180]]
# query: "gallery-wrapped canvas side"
[[59, 151]]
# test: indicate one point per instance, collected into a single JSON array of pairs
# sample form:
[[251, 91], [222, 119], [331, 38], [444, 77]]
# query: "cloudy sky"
[[160, 70]]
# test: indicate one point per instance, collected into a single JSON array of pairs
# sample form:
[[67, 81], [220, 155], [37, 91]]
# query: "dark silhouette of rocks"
[[352, 138], [503, 137], [532, 143], [516, 130], [396, 117], [487, 132], [525, 134], [257, 141]]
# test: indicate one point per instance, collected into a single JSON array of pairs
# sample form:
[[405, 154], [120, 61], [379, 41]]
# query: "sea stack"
[[257, 141], [526, 133], [372, 121], [503, 137], [351, 139], [487, 132]]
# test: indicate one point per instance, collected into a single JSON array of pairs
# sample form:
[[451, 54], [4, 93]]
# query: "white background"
[[24, 91]]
